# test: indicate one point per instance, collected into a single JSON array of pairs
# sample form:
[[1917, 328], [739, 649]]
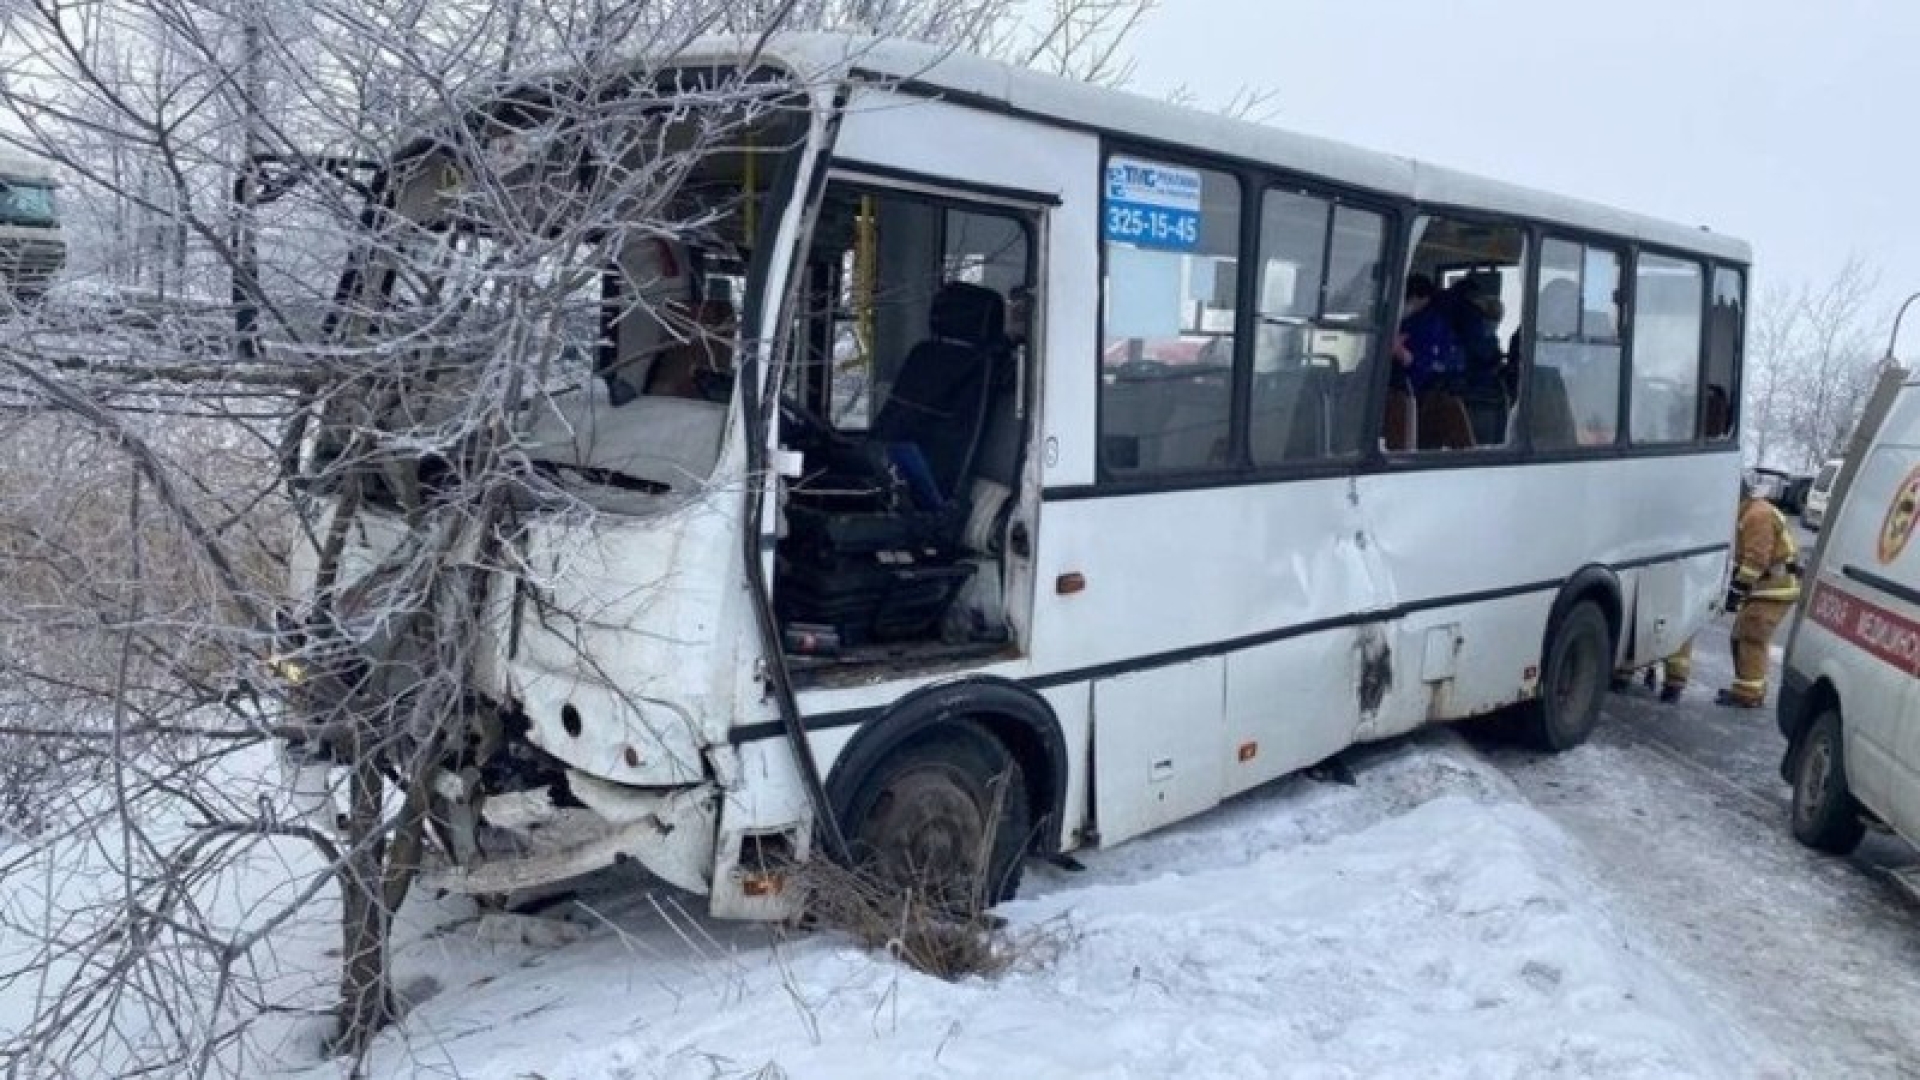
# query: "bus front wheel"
[[1573, 679], [944, 816]]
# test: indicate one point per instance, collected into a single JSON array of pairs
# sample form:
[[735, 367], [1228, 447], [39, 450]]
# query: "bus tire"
[[946, 814], [1573, 680], [1825, 817]]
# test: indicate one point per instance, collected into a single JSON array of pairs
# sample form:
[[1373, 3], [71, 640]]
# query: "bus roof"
[[961, 75]]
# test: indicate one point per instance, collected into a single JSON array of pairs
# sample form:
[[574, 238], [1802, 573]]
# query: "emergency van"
[[1849, 700]]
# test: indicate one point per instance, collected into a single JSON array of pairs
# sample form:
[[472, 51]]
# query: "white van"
[[1849, 697], [1814, 513]]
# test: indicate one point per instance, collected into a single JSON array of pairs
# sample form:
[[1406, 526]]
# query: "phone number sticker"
[[1150, 205]]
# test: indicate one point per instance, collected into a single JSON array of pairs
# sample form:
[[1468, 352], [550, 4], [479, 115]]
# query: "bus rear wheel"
[[945, 818], [1573, 680]]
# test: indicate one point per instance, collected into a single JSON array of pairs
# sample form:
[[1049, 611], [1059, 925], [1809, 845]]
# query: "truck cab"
[[32, 249]]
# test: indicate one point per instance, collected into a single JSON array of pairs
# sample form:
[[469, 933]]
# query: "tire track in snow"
[[1683, 809]]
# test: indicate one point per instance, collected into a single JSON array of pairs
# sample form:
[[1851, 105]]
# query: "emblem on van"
[[1901, 514]]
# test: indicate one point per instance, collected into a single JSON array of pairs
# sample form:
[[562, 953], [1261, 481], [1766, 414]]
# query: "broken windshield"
[[583, 276]]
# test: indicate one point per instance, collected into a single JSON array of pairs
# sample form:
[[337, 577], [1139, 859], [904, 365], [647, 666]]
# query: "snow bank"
[[1422, 922], [62, 905]]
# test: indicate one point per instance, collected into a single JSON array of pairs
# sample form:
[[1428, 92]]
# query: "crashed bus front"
[[575, 278]]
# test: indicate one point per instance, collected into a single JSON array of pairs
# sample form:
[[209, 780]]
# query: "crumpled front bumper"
[[527, 841]]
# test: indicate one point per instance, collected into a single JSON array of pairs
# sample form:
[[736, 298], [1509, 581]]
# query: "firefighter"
[[1766, 582], [1679, 668], [1669, 676]]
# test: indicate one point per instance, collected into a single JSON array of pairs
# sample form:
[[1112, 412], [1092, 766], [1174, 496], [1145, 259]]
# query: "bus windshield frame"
[[643, 280]]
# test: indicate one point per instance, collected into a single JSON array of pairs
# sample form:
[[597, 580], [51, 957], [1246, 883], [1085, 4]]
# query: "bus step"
[[1333, 771]]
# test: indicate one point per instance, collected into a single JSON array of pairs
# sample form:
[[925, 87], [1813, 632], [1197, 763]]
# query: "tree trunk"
[[366, 993]]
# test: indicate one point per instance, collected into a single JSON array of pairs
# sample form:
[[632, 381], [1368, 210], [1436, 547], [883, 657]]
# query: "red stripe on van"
[[1892, 637]]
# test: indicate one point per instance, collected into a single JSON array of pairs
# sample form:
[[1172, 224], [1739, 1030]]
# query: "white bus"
[[1092, 468]]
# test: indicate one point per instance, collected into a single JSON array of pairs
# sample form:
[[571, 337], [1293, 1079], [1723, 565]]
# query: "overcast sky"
[[1789, 123]]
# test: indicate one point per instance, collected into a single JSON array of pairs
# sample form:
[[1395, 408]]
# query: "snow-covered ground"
[[1452, 913], [62, 942], [1686, 809], [1424, 921]]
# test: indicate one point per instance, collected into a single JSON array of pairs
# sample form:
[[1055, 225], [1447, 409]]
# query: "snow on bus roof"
[[1120, 112], [21, 167], [827, 58]]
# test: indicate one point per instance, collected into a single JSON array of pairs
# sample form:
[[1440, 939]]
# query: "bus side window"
[[1668, 295], [1576, 355], [1726, 329], [1319, 294], [1172, 244]]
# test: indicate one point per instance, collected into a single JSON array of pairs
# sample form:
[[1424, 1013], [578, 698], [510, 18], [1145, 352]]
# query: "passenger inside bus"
[[1456, 386], [1423, 404], [1475, 306]]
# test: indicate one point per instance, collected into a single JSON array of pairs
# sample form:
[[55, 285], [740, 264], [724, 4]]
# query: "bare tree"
[[1083, 39], [181, 521], [1769, 370], [1811, 365], [1837, 364]]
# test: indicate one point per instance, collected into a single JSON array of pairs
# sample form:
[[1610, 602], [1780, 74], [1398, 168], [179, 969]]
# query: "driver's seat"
[[888, 565], [938, 403]]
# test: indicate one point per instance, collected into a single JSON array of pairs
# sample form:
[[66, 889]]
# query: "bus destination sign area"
[[1152, 206]]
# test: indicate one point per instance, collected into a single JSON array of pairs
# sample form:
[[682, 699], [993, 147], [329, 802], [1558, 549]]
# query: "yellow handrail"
[[865, 277]]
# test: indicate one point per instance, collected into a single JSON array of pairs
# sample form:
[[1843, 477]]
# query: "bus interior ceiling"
[[904, 392]]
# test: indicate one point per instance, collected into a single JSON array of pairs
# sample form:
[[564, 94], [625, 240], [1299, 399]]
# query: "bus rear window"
[[1726, 330]]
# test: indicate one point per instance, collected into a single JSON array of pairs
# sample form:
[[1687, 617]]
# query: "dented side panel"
[[1292, 703], [1503, 541], [1169, 571]]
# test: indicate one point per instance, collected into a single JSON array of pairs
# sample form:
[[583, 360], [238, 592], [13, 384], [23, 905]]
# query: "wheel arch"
[[1018, 719], [1597, 584], [1798, 709], [1802, 700]]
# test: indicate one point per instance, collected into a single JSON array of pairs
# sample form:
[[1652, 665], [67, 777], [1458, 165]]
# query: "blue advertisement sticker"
[[1152, 206]]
